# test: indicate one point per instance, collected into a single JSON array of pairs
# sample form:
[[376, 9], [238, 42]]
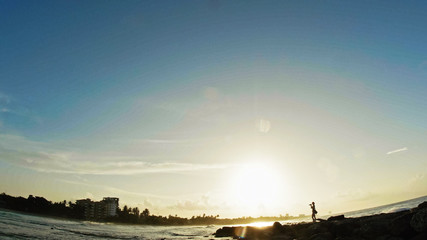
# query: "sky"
[[236, 108]]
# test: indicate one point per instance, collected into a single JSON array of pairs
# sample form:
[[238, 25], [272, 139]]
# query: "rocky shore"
[[408, 224]]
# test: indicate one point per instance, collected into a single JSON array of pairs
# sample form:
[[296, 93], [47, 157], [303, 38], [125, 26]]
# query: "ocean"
[[15, 225]]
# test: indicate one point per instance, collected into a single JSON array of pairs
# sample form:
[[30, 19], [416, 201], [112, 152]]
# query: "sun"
[[255, 185]]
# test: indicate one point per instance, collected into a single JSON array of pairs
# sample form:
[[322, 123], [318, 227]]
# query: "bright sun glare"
[[255, 185]]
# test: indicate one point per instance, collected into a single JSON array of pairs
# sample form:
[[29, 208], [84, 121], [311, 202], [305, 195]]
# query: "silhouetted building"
[[88, 206], [111, 205], [99, 210], [2, 203]]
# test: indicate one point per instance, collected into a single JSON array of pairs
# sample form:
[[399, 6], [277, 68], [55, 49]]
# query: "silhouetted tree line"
[[40, 205], [134, 216]]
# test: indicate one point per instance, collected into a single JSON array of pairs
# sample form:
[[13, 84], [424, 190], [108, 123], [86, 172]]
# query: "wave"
[[100, 235], [184, 235], [4, 235], [395, 210]]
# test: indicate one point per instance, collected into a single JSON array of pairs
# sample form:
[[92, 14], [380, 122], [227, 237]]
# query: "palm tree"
[[145, 213]]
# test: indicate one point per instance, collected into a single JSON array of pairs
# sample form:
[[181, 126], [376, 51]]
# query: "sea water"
[[15, 225]]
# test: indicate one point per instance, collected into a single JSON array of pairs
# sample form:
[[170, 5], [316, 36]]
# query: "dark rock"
[[383, 237], [350, 238], [322, 236], [281, 237], [277, 229], [254, 233], [314, 229], [419, 220], [239, 232], [396, 238], [225, 232], [289, 230], [421, 236], [277, 226], [334, 218], [374, 229], [244, 232], [422, 205], [386, 226], [280, 231], [345, 228], [400, 226], [389, 237]]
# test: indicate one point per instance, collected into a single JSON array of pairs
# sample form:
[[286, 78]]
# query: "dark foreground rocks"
[[408, 224]]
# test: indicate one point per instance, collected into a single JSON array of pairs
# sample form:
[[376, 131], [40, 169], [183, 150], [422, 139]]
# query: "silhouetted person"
[[313, 211]]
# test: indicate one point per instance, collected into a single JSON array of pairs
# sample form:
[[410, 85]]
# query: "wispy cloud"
[[4, 101], [9, 105], [4, 98], [330, 169], [419, 177], [397, 150], [44, 158], [354, 195], [200, 204], [118, 190], [176, 141]]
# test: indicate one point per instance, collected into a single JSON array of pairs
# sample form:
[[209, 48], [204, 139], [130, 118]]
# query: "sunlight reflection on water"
[[270, 223]]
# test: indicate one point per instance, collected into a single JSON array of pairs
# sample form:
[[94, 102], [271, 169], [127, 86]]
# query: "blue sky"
[[160, 93]]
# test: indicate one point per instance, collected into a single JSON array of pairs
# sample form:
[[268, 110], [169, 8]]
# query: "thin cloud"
[[45, 158], [397, 150], [173, 141], [191, 205], [354, 195], [416, 179], [11, 106], [4, 98], [118, 190], [330, 169], [59, 163]]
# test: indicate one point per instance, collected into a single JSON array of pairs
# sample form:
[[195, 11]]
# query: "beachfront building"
[[99, 210], [88, 206], [111, 205]]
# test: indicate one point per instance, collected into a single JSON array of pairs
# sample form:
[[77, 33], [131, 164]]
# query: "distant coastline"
[[40, 206]]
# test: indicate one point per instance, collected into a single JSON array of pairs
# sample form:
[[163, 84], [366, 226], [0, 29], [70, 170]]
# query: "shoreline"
[[43, 215], [116, 223], [253, 223], [406, 224]]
